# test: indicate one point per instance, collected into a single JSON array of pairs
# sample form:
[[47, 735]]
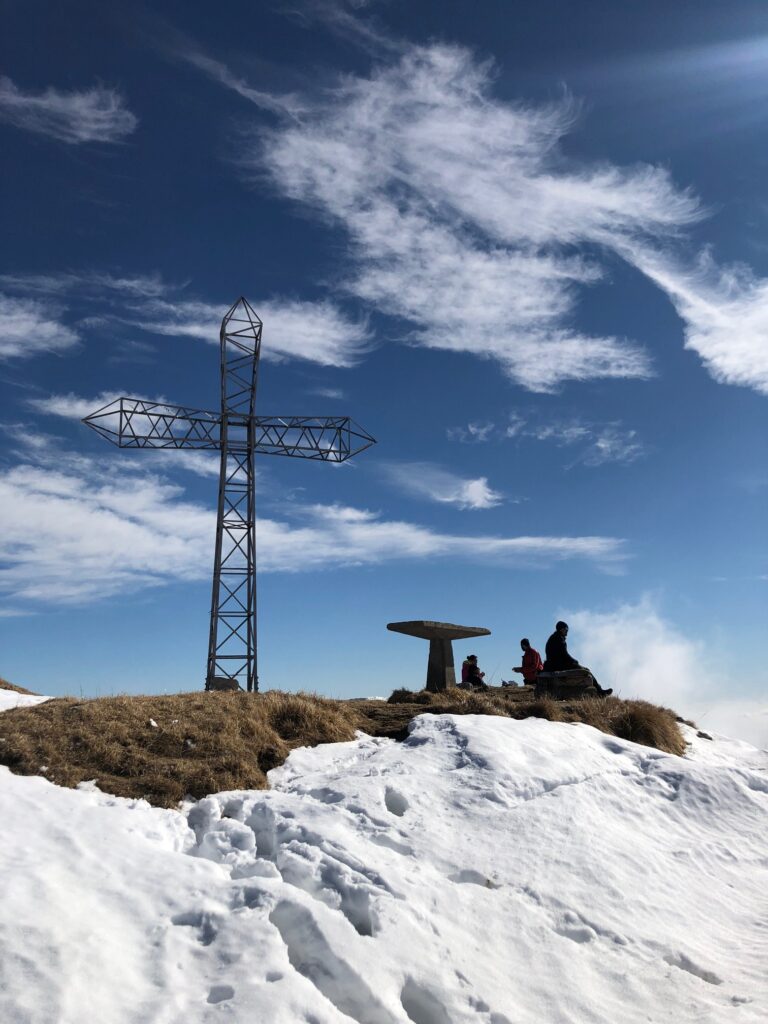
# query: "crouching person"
[[471, 676]]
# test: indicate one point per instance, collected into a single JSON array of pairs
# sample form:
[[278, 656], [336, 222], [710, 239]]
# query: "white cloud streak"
[[337, 536], [315, 331], [319, 332], [465, 220], [87, 283], [31, 326], [98, 114], [459, 207], [214, 69], [425, 480], [69, 536], [75, 407], [724, 311], [75, 529]]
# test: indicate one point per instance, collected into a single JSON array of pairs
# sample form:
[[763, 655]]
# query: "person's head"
[[525, 643], [562, 628], [471, 657]]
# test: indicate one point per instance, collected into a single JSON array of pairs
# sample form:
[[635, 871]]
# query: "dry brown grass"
[[203, 743], [5, 685]]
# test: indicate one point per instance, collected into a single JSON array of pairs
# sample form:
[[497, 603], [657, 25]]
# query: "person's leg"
[[599, 688]]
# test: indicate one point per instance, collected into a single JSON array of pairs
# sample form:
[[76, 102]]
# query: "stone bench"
[[572, 683]]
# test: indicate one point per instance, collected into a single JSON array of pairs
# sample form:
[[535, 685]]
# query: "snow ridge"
[[486, 870]]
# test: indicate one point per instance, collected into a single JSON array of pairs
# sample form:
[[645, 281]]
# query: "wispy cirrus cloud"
[[343, 18], [214, 69], [328, 392], [463, 214], [97, 114], [724, 311], [31, 326], [596, 443], [426, 480], [87, 283], [75, 407], [472, 433], [79, 529], [468, 223], [319, 332], [316, 331]]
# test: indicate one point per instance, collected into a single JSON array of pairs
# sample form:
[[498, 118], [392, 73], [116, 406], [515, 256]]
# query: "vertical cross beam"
[[232, 640]]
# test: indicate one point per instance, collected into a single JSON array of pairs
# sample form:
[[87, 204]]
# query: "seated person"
[[559, 660], [471, 676], [531, 665]]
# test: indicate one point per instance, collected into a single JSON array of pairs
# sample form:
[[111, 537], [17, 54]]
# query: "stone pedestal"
[[440, 668]]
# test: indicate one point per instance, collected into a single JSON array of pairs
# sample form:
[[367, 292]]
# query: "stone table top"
[[426, 629]]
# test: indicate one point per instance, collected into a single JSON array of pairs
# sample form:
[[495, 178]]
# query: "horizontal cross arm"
[[323, 438], [134, 423]]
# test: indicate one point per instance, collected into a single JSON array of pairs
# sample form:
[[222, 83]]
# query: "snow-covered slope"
[[11, 699], [486, 871]]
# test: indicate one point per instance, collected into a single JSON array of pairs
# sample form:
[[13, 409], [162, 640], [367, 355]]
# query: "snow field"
[[10, 699], [487, 871]]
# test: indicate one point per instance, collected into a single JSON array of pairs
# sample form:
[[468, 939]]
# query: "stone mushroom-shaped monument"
[[440, 670]]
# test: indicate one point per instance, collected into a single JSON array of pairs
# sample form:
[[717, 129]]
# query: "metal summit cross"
[[239, 435]]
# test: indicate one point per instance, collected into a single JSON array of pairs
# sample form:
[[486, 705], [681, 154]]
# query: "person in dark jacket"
[[559, 660]]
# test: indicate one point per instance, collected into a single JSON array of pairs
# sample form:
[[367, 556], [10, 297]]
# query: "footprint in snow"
[[395, 802], [684, 963], [220, 993], [421, 1005], [311, 955], [469, 877], [577, 934], [206, 925]]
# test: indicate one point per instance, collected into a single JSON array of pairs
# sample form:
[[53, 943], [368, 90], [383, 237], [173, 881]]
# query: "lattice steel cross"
[[238, 434]]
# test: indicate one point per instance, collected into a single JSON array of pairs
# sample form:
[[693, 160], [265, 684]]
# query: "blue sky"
[[524, 245]]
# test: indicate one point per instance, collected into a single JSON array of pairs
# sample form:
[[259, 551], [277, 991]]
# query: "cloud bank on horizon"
[[636, 650]]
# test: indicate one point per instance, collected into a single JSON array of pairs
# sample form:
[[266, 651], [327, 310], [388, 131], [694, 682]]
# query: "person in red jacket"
[[531, 665]]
